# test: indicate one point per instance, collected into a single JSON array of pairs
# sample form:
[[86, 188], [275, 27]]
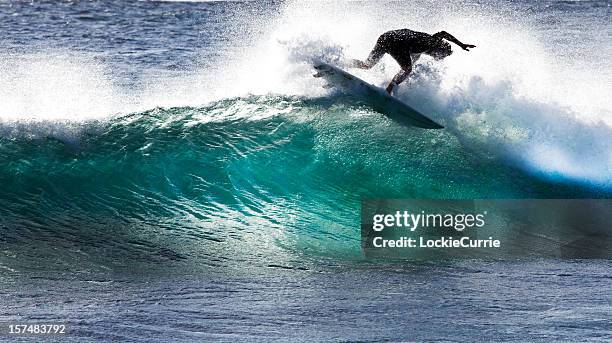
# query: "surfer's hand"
[[467, 47]]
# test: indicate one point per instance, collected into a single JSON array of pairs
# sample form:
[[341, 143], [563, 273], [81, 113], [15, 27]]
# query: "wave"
[[513, 101], [251, 158], [201, 183]]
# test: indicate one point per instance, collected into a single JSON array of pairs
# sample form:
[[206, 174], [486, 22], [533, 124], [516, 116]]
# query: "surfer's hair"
[[440, 49]]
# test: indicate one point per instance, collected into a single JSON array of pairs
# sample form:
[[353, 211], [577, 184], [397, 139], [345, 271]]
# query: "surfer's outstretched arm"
[[399, 78], [451, 38]]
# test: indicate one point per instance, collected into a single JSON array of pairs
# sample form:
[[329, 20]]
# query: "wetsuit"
[[401, 44]]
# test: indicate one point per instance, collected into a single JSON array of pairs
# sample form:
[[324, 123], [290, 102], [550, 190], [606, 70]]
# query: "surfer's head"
[[440, 49]]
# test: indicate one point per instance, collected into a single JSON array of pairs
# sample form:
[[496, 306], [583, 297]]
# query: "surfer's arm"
[[399, 78], [451, 38]]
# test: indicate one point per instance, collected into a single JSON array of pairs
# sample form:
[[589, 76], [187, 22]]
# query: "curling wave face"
[[206, 184]]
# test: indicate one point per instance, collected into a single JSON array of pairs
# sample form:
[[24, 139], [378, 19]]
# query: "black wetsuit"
[[401, 44]]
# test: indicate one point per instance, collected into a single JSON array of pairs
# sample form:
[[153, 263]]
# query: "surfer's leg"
[[371, 61], [401, 76], [374, 57], [398, 78]]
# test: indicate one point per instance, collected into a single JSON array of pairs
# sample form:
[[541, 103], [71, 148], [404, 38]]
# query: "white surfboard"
[[375, 97]]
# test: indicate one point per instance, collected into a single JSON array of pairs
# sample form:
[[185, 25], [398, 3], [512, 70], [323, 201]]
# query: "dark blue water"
[[538, 301], [170, 170]]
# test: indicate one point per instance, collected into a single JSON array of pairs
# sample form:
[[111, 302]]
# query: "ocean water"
[[172, 171]]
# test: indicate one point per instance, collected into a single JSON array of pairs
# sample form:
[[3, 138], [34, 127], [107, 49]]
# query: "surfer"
[[406, 46]]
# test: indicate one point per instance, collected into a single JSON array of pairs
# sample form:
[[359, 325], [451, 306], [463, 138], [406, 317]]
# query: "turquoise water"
[[184, 177]]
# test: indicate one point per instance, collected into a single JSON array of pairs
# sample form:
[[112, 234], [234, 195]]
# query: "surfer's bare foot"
[[357, 64]]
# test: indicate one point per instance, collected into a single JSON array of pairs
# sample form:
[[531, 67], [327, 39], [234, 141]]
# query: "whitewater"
[[522, 96]]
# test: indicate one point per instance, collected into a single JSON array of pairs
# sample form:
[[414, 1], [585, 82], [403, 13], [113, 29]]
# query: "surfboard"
[[376, 97]]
